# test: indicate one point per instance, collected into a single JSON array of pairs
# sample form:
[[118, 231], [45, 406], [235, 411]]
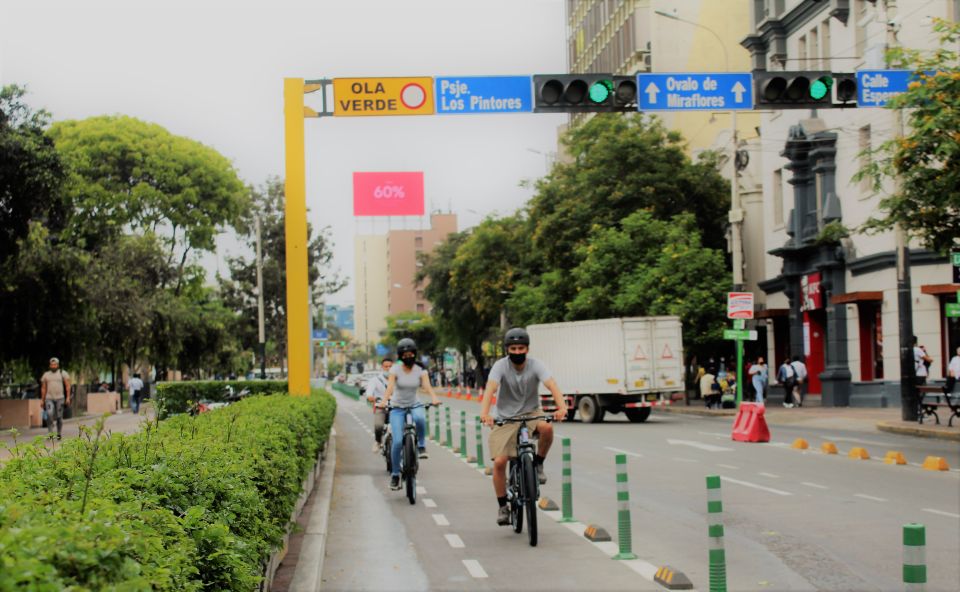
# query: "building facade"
[[835, 301], [385, 274]]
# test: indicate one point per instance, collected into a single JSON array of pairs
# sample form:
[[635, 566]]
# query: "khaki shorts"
[[503, 438]]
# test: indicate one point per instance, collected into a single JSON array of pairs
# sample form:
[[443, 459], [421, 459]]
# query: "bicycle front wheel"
[[530, 495], [516, 508], [410, 468]]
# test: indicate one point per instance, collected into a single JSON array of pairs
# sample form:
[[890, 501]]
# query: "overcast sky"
[[213, 71]]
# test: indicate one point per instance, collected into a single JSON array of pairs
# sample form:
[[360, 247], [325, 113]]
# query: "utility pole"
[[261, 334], [736, 213], [908, 375]]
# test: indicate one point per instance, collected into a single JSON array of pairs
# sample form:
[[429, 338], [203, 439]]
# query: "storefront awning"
[[938, 289], [852, 297], [770, 313]]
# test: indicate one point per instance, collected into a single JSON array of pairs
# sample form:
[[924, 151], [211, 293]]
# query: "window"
[[871, 341], [419, 294], [825, 44], [814, 62], [778, 197], [865, 184], [421, 309], [418, 242]]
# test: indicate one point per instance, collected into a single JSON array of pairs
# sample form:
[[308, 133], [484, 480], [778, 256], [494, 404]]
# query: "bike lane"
[[449, 539]]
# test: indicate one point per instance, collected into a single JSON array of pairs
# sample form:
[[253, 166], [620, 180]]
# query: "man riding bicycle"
[[375, 388], [516, 380], [405, 379]]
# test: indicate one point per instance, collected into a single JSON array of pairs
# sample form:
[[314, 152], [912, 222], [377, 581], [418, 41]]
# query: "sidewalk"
[[812, 414], [124, 422]]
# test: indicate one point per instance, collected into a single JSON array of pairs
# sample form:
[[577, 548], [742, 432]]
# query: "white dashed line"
[[634, 454], [441, 520], [814, 485], [729, 467], [869, 497], [421, 490], [429, 502], [771, 475], [454, 541], [473, 566], [686, 460], [941, 513], [755, 486]]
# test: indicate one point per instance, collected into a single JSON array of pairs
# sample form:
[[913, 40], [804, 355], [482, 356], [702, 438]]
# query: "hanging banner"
[[811, 298], [388, 194]]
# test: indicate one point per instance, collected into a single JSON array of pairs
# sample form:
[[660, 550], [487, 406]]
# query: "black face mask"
[[518, 358], [408, 362]]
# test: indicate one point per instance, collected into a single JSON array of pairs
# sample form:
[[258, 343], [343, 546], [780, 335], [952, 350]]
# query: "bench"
[[930, 403]]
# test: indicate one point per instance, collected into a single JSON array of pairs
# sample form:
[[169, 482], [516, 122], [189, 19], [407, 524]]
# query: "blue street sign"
[[876, 87], [382, 349], [484, 94], [695, 91], [321, 334]]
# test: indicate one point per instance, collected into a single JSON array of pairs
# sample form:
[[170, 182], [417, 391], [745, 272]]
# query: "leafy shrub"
[[190, 503], [177, 397]]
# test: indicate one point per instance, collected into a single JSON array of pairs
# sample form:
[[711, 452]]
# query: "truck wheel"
[[590, 410], [637, 414]]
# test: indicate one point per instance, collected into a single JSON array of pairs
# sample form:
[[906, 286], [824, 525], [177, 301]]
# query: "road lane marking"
[[473, 566], [755, 486], [686, 460], [441, 520], [454, 540], [699, 445], [429, 502], [856, 440], [814, 485], [421, 490], [729, 467], [869, 497], [724, 436], [771, 475], [636, 454], [941, 513]]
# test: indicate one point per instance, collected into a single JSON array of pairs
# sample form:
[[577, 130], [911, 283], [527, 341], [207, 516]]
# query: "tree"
[[925, 161], [239, 291], [127, 175], [416, 326]]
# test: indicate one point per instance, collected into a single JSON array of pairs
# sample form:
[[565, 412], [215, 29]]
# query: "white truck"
[[611, 365]]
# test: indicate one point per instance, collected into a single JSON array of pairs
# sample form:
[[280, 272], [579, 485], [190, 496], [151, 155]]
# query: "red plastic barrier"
[[750, 425]]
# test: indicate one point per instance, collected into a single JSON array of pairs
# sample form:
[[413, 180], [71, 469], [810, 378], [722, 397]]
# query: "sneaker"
[[503, 515], [376, 447], [788, 405], [394, 482], [541, 475], [59, 437], [423, 453]]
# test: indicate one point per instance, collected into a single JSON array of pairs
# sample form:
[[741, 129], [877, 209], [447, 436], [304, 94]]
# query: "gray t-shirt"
[[405, 390], [377, 386], [54, 381], [518, 393]]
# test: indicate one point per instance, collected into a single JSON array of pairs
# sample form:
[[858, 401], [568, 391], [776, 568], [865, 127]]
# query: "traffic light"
[[804, 90], [584, 93]]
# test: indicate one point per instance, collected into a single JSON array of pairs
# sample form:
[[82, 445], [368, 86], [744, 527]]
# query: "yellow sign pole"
[[295, 229]]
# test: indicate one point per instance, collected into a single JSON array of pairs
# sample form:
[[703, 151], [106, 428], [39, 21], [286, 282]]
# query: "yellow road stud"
[[859, 453], [828, 448], [894, 457], [936, 463], [800, 444]]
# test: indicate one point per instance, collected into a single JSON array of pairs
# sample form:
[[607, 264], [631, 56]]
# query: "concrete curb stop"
[[596, 534], [546, 504], [884, 426], [672, 579]]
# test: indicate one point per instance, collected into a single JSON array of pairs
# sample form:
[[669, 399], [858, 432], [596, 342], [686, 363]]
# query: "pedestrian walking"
[[54, 395], [787, 377], [921, 362], [800, 383], [759, 376], [709, 389], [135, 386], [953, 373]]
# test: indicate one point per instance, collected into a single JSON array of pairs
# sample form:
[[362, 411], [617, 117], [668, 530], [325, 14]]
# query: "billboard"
[[388, 194]]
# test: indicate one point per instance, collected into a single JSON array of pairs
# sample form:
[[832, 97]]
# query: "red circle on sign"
[[413, 96]]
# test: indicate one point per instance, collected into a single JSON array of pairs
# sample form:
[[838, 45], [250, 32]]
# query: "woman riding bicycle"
[[405, 379], [517, 378]]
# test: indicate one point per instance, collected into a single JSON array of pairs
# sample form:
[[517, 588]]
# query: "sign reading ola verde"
[[484, 94], [354, 97]]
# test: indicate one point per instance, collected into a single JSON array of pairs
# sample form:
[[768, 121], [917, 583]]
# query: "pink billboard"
[[388, 194]]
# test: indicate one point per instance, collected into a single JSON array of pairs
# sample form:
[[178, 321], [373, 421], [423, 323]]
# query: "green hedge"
[[177, 397], [190, 503]]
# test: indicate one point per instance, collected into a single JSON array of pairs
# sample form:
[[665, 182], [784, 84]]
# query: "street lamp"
[[736, 213]]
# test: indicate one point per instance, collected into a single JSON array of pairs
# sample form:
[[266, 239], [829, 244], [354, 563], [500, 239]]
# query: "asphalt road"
[[795, 520]]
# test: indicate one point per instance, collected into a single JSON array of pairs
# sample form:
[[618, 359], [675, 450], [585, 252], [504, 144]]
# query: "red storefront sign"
[[388, 194], [811, 297]]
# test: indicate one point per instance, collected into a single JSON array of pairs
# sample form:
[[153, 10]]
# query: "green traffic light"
[[600, 91], [820, 87]]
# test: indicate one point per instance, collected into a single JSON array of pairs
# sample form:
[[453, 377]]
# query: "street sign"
[[320, 334], [355, 97], [484, 94], [953, 310], [740, 334], [739, 323], [691, 91], [955, 259], [876, 87], [739, 305], [382, 349]]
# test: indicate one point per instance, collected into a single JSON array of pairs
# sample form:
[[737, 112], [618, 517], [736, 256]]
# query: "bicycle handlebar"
[[413, 406], [546, 418]]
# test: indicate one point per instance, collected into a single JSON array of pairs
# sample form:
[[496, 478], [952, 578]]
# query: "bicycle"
[[409, 457], [523, 486]]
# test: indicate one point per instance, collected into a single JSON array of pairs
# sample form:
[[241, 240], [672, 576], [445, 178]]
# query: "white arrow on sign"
[[700, 445], [652, 91], [738, 90]]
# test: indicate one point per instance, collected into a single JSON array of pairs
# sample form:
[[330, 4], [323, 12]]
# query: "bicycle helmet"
[[516, 336], [406, 345]]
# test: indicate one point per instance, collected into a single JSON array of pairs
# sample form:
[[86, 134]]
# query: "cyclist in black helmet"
[[405, 379], [516, 380]]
